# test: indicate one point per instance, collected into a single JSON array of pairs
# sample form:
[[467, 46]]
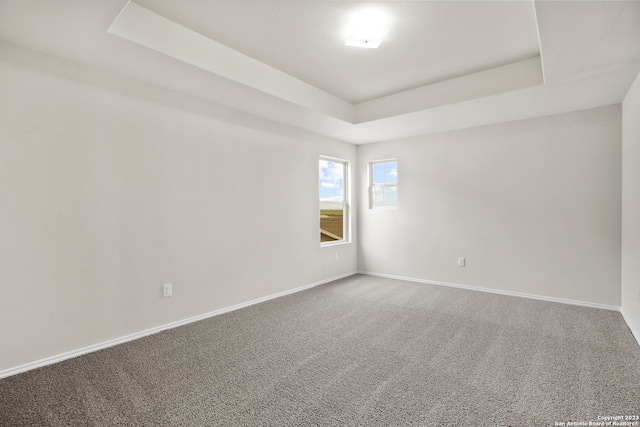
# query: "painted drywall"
[[631, 207], [110, 188], [534, 206]]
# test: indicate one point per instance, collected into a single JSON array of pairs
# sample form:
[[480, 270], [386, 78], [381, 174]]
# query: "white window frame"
[[386, 184], [346, 216]]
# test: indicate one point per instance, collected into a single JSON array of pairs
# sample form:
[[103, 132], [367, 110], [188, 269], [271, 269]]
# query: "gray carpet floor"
[[361, 351]]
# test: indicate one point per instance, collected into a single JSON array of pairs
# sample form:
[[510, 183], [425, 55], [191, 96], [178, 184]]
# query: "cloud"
[[331, 174], [334, 199], [326, 184], [332, 180]]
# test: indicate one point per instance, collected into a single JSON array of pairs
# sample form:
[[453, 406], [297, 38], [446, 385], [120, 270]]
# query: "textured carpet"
[[361, 351]]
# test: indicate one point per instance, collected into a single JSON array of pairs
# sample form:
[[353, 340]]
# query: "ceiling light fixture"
[[368, 29]]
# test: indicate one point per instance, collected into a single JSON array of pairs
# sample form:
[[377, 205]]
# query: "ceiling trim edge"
[[145, 27]]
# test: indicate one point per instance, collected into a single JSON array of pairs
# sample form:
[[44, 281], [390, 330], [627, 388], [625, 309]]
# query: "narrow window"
[[334, 209], [383, 188]]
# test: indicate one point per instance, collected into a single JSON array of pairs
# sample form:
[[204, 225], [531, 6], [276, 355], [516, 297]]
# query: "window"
[[334, 209], [383, 188]]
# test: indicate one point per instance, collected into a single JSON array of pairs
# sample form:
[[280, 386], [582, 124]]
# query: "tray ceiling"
[[444, 65]]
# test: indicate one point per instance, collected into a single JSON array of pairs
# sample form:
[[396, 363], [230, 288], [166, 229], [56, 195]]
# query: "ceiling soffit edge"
[[145, 27], [151, 30]]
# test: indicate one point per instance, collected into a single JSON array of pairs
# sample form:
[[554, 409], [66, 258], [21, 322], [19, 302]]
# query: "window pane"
[[390, 196], [331, 222], [378, 197], [384, 184], [331, 180], [391, 172], [333, 200], [378, 173]]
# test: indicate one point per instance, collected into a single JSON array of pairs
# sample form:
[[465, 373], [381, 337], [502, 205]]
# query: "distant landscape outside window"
[[333, 206], [384, 184]]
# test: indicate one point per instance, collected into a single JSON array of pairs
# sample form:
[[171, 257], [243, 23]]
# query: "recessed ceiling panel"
[[427, 41], [443, 65]]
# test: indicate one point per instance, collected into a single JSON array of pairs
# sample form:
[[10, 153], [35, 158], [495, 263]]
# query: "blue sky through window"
[[384, 191], [385, 173], [331, 180]]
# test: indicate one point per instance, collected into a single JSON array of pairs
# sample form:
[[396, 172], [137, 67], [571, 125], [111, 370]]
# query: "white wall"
[[631, 207], [110, 189], [533, 205]]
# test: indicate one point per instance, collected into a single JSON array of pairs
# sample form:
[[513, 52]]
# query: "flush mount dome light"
[[368, 29]]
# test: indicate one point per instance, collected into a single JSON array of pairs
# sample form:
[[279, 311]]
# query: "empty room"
[[319, 213]]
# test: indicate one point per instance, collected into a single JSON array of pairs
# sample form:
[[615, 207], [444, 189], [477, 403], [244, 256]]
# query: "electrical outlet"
[[335, 256], [166, 290], [461, 262]]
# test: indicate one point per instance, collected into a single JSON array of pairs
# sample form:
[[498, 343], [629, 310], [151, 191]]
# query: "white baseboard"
[[634, 331], [137, 335], [495, 291]]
